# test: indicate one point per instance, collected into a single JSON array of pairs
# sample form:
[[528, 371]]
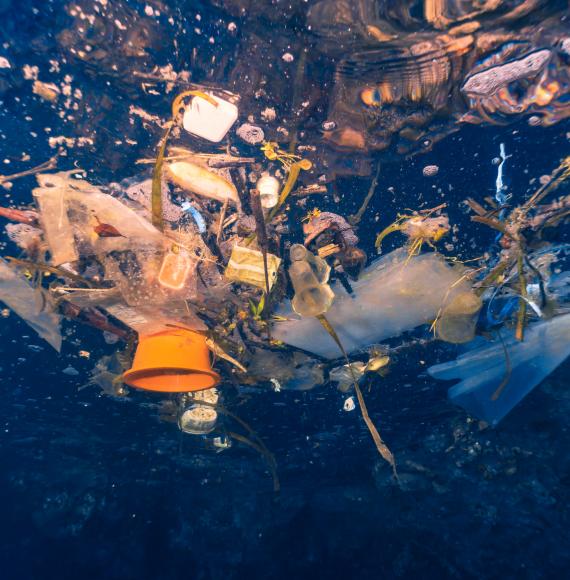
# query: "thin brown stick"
[[492, 223], [521, 316], [221, 223], [355, 219], [45, 166]]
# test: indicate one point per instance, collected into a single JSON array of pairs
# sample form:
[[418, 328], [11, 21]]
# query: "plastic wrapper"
[[491, 385], [31, 304], [141, 193], [136, 275], [344, 376], [247, 266], [393, 295]]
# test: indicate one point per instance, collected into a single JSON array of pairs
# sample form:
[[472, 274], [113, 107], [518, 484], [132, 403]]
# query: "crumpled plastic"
[[482, 370], [31, 304]]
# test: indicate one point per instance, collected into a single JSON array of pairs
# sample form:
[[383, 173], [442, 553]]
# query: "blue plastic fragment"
[[483, 369], [196, 216]]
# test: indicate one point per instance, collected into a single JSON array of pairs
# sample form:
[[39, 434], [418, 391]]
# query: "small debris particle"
[[268, 114], [47, 91], [349, 404], [30, 72], [430, 170]]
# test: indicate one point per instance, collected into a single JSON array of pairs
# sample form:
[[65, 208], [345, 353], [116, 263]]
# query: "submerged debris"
[[216, 271]]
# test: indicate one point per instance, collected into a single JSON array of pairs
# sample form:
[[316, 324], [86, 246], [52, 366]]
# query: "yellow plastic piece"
[[246, 266]]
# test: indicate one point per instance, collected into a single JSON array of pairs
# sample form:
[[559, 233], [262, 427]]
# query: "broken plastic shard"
[[393, 295], [349, 404], [482, 370], [30, 304]]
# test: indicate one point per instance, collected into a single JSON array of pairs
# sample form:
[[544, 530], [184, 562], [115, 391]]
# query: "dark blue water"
[[93, 487]]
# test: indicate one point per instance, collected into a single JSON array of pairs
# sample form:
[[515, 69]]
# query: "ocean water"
[[99, 487]]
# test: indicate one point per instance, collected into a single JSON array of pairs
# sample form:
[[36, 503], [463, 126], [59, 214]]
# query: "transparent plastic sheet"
[[393, 295], [57, 228], [71, 209], [26, 237], [142, 319], [291, 370], [31, 304], [482, 370], [137, 275]]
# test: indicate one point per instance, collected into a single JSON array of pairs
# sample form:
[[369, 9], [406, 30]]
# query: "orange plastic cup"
[[174, 361]]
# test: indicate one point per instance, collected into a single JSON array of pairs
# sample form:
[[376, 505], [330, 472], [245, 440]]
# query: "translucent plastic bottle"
[[309, 275], [459, 318]]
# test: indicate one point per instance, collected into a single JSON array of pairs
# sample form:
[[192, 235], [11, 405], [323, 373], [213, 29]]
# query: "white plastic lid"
[[203, 119]]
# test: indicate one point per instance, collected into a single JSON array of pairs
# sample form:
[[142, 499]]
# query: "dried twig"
[[355, 219], [45, 166]]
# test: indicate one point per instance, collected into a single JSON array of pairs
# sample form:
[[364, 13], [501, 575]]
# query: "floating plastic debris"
[[206, 120], [349, 404], [251, 134], [309, 275], [393, 295], [31, 304], [198, 415], [430, 170], [246, 265], [497, 376], [268, 187]]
